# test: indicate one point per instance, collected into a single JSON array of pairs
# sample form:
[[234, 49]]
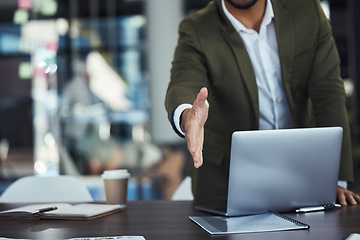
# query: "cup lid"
[[118, 173]]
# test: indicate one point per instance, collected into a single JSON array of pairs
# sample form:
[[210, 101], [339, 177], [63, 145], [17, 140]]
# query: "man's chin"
[[242, 6]]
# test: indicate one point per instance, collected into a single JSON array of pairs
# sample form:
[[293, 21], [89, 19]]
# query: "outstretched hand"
[[192, 123]]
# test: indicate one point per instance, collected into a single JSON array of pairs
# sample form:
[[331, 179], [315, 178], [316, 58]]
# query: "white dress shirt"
[[263, 51]]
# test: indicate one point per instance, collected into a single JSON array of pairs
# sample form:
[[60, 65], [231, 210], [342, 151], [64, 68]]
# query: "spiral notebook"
[[266, 222]]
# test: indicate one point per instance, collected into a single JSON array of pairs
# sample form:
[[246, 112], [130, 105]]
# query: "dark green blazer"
[[211, 53]]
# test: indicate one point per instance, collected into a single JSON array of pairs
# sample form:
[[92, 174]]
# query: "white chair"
[[36, 189], [183, 192]]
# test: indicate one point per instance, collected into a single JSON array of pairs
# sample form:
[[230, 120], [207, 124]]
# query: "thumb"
[[200, 101]]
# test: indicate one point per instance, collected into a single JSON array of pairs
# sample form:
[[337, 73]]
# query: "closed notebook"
[[84, 211], [265, 222]]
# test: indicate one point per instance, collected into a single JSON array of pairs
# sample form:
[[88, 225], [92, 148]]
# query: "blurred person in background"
[[84, 114]]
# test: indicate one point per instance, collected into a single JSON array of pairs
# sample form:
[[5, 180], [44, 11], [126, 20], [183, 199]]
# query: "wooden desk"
[[168, 220]]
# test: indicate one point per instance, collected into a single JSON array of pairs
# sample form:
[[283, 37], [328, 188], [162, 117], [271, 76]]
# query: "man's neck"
[[251, 18]]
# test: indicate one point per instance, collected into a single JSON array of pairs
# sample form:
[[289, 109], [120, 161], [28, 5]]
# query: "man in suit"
[[249, 65]]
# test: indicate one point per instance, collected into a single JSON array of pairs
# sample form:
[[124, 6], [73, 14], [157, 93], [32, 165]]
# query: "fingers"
[[341, 196], [198, 158], [346, 197], [195, 140], [342, 199], [194, 127], [352, 198], [357, 198]]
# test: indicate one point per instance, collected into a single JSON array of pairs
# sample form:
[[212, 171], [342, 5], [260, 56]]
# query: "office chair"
[[36, 189], [183, 192]]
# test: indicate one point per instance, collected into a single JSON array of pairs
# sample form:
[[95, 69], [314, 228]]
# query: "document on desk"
[[353, 236], [265, 222], [95, 238], [111, 237]]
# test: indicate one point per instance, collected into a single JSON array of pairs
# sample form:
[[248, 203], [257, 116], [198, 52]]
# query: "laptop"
[[281, 170]]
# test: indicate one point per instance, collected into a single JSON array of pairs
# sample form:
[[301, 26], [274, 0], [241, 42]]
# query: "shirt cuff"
[[343, 184], [177, 114]]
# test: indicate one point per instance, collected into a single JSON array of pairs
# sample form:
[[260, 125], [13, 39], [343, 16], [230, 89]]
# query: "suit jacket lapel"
[[286, 44], [245, 66]]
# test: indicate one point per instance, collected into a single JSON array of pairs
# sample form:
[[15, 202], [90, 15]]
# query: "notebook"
[[265, 222], [281, 170], [83, 211]]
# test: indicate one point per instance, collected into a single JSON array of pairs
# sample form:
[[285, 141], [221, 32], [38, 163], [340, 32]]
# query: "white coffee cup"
[[116, 186]]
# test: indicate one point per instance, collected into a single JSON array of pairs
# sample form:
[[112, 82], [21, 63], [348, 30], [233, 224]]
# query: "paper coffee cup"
[[116, 186]]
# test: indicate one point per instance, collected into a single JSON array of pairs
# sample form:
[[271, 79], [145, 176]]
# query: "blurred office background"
[[82, 87]]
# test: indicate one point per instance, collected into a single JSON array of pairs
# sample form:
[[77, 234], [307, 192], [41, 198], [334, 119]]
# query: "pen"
[[317, 208], [42, 210]]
